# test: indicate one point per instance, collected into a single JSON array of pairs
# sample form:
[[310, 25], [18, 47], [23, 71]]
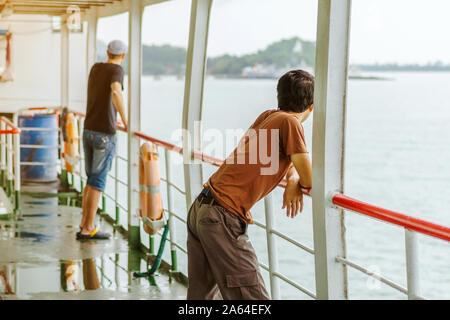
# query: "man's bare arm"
[[302, 164], [117, 98], [299, 175], [292, 196]]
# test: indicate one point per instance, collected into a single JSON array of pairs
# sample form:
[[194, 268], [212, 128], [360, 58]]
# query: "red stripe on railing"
[[393, 217], [340, 200], [14, 129], [37, 108], [79, 114], [207, 159], [160, 143]]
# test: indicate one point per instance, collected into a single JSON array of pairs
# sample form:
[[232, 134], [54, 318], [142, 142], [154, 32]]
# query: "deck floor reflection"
[[40, 259]]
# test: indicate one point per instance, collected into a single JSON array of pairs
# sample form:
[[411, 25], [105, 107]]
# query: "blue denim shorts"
[[99, 152]]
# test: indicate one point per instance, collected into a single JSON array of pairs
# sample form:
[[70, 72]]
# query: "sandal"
[[95, 235]]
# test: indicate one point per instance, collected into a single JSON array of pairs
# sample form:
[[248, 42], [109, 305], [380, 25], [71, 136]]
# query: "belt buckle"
[[207, 194]]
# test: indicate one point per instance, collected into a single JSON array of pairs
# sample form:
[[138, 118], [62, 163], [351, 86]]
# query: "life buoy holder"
[[150, 194], [71, 154]]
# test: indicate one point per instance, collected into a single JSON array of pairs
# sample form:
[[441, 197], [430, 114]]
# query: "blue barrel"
[[44, 132]]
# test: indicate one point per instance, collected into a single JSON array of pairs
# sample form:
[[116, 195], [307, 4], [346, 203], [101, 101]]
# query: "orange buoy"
[[150, 181], [142, 186], [71, 155]]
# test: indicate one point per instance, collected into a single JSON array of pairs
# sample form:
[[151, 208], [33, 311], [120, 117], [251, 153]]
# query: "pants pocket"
[[101, 142], [248, 285], [235, 226]]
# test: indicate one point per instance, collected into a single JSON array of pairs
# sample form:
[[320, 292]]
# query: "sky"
[[383, 31]]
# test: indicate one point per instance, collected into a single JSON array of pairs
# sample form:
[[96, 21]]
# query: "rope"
[[158, 260]]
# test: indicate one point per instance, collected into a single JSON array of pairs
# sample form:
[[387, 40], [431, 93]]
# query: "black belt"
[[207, 197]]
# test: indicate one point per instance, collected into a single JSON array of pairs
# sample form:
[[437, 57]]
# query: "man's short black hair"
[[295, 91]]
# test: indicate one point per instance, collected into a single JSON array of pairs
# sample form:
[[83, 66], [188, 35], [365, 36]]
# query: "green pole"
[[117, 215], [64, 179], [134, 260], [17, 204], [173, 254], [73, 180], [103, 204], [134, 236], [151, 245], [10, 187]]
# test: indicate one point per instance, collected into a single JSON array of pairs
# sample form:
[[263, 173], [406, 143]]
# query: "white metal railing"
[[272, 234], [10, 159], [411, 246]]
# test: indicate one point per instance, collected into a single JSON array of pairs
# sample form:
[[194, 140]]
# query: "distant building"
[[260, 71]]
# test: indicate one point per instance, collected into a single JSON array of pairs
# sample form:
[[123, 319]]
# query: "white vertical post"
[[64, 62], [16, 170], [91, 46], [134, 117], [9, 159], [3, 154], [173, 248], [412, 264], [91, 57], [271, 248], [116, 186], [193, 94], [64, 86], [332, 43]]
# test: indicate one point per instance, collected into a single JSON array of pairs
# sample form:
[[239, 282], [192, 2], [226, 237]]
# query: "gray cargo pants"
[[221, 260]]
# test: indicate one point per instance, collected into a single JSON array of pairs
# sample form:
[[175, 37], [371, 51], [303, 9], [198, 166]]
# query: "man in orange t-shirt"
[[221, 259]]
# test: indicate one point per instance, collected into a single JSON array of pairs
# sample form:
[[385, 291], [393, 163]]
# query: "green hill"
[[167, 59], [282, 54]]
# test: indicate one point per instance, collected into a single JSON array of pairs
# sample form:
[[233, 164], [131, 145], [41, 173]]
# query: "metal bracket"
[[329, 199], [155, 225]]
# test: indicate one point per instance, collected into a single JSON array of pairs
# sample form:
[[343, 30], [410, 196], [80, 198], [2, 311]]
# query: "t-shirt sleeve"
[[117, 76], [292, 137]]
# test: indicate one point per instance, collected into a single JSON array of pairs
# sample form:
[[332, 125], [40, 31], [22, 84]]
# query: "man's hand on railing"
[[122, 126], [293, 198]]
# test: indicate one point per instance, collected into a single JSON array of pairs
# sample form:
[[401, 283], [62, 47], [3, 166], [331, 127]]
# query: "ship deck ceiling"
[[50, 7]]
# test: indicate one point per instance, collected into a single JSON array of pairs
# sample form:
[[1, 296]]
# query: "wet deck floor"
[[40, 259]]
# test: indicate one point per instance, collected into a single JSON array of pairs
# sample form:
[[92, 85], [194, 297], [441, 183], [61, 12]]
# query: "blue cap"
[[117, 47]]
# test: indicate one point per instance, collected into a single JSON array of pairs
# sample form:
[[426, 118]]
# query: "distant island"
[[394, 67], [271, 62]]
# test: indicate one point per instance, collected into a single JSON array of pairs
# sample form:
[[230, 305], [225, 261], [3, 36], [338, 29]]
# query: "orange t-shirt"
[[259, 163]]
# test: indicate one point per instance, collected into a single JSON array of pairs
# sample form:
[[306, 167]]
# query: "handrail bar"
[[408, 222], [14, 129], [165, 145], [340, 200]]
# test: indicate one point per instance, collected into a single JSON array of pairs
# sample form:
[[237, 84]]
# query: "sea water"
[[397, 156]]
